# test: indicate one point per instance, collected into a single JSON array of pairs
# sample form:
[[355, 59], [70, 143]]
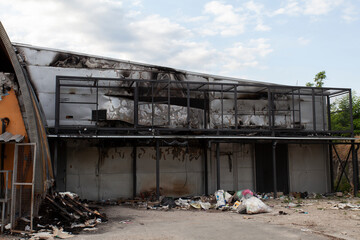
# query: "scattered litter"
[[305, 230], [220, 198], [255, 205], [168, 201], [25, 219], [349, 206], [8, 226], [195, 205], [183, 203], [205, 205], [125, 221], [227, 197], [90, 229], [339, 194], [302, 211], [41, 235], [244, 193], [56, 233], [59, 233], [282, 213], [236, 205]]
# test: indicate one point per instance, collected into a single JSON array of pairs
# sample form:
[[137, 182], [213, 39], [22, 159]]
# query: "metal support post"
[[206, 184], [218, 165], [351, 114], [136, 105], [355, 168], [357, 165], [313, 109], [235, 107], [157, 169], [134, 170], [274, 167], [56, 157], [331, 166], [205, 110], [188, 105], [57, 104]]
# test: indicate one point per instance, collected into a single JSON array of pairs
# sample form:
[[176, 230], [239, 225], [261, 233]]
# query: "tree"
[[319, 80], [340, 117]]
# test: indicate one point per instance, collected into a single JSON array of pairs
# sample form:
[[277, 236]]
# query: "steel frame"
[[158, 135], [202, 89], [21, 184]]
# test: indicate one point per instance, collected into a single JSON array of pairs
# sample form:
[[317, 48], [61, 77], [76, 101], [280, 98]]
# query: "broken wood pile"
[[65, 210]]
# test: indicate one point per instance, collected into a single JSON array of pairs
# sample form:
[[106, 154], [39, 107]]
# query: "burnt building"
[[117, 128]]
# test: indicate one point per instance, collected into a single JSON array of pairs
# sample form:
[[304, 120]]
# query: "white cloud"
[[242, 55], [226, 19], [261, 27], [116, 29], [320, 7], [137, 3], [308, 7], [291, 8], [350, 13], [303, 41]]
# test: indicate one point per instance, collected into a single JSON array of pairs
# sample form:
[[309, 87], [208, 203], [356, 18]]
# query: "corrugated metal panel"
[[8, 137]]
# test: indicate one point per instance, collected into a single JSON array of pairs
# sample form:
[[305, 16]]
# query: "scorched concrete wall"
[[236, 167], [308, 168], [106, 173]]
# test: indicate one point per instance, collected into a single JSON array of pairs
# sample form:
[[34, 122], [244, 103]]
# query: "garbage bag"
[[195, 204], [227, 197], [246, 193], [168, 201], [205, 205], [184, 203], [254, 205], [220, 198]]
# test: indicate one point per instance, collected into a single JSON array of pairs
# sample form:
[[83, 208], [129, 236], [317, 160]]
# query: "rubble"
[[61, 215], [242, 201], [353, 207]]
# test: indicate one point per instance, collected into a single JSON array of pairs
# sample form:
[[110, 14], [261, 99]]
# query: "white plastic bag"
[[254, 205], [219, 194]]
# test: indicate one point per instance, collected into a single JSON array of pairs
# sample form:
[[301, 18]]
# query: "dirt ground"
[[135, 224], [304, 219], [316, 215], [309, 219]]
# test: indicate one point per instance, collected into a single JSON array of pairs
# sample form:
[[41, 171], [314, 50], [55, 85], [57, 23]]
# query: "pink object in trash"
[[246, 192]]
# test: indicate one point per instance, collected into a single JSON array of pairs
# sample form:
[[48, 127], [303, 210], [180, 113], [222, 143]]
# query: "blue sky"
[[280, 41]]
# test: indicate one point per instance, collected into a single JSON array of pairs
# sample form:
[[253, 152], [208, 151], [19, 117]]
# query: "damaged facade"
[[119, 129]]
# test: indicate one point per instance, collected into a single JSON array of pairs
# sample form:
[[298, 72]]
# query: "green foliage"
[[319, 80], [344, 185], [340, 117]]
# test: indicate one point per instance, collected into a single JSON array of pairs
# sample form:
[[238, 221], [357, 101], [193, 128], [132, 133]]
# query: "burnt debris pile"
[[65, 210]]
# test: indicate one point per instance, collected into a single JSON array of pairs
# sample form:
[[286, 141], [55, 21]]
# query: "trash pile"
[[242, 201], [61, 215], [353, 207]]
